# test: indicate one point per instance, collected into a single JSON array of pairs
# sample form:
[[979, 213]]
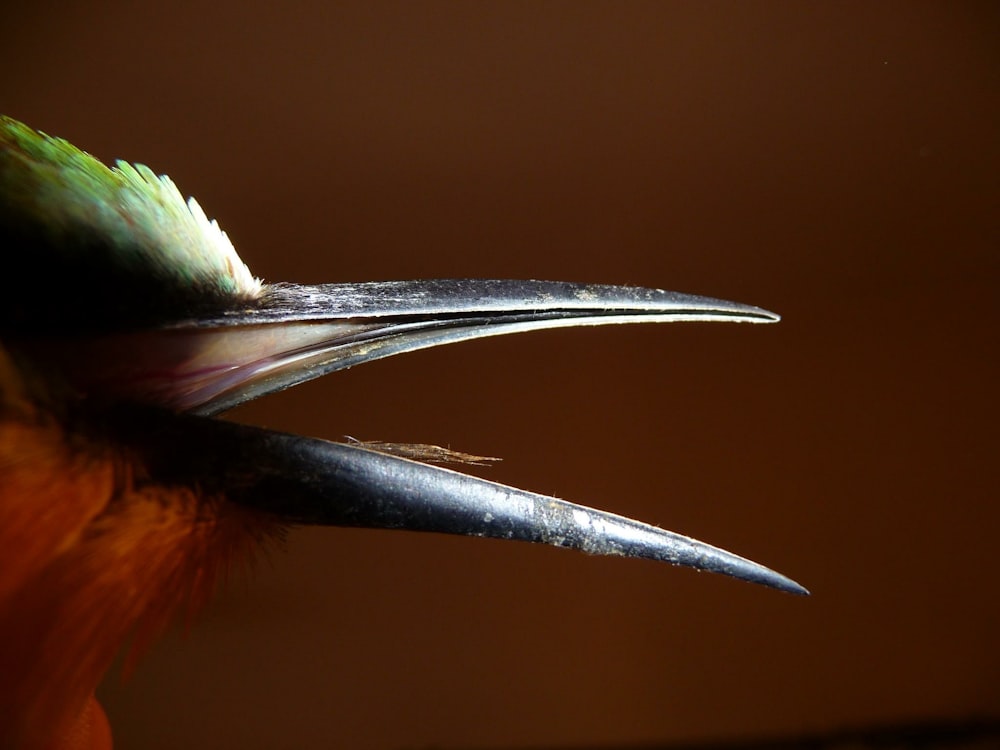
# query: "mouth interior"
[[207, 369], [186, 368]]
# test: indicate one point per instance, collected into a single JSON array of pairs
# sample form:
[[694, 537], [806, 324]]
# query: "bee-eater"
[[127, 322]]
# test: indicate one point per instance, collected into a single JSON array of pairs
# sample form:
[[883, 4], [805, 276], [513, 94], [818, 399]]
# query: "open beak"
[[296, 333]]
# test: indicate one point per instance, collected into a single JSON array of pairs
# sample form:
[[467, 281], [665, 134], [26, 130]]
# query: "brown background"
[[837, 163]]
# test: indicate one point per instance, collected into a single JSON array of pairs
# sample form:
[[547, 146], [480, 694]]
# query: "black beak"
[[295, 333]]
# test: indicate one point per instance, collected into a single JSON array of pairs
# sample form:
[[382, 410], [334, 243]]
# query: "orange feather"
[[91, 554]]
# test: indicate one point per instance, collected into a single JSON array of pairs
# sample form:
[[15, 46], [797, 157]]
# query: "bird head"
[[128, 322]]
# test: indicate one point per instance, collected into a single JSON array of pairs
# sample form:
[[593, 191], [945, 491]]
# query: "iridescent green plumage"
[[119, 246]]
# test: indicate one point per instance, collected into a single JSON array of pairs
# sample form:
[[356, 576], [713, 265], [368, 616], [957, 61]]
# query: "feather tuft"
[[108, 240]]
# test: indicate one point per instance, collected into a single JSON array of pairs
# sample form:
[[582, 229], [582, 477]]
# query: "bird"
[[128, 323]]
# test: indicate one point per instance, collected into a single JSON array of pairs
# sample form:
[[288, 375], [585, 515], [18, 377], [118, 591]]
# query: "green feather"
[[121, 241]]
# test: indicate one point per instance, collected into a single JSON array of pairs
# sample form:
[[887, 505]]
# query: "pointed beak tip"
[[752, 572], [783, 583], [797, 589], [767, 316]]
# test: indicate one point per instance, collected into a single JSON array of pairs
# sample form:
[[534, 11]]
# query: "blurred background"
[[837, 163]]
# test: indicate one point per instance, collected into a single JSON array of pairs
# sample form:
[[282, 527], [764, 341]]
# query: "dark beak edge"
[[310, 481]]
